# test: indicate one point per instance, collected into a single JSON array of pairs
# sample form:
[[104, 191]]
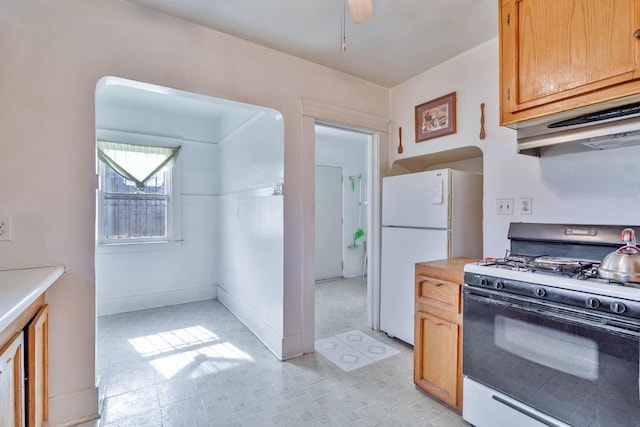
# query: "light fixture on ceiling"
[[360, 10]]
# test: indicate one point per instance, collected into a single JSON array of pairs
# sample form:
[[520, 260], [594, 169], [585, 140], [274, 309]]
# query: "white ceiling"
[[405, 37], [143, 108]]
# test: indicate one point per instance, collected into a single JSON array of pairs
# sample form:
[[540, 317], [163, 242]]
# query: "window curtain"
[[137, 163]]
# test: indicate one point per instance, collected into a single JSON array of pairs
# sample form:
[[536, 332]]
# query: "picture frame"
[[436, 118]]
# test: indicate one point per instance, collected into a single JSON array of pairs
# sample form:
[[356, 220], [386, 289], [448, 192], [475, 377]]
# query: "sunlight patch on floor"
[[174, 351]]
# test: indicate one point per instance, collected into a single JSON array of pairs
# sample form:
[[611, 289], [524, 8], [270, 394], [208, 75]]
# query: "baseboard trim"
[[156, 299], [74, 408], [283, 348], [292, 346], [81, 421]]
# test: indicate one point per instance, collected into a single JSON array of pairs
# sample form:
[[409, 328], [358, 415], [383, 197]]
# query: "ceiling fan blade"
[[361, 10]]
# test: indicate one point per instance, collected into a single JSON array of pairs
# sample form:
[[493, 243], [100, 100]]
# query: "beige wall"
[[52, 54]]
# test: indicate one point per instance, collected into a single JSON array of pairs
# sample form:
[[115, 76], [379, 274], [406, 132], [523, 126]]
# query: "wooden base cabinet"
[[437, 350], [12, 382], [436, 367], [24, 393], [37, 385]]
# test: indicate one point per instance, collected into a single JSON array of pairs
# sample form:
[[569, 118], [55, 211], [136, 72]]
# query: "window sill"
[[118, 248]]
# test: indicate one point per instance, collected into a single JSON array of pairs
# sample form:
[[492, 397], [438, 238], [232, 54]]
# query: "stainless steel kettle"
[[623, 265]]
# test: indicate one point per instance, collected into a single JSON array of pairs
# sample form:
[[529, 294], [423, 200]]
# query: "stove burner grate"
[[570, 267]]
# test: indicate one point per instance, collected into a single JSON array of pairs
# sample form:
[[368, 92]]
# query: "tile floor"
[[196, 365]]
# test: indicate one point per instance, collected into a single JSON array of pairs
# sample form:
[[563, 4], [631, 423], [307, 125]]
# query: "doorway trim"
[[316, 112]]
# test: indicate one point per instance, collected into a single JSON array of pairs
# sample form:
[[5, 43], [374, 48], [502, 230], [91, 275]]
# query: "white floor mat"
[[353, 349]]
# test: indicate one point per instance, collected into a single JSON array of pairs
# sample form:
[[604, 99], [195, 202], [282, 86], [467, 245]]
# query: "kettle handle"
[[629, 237]]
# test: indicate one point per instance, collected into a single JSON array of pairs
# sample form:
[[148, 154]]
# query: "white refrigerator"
[[426, 216]]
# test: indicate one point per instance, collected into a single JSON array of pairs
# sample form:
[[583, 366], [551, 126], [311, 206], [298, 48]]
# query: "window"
[[133, 214], [135, 192]]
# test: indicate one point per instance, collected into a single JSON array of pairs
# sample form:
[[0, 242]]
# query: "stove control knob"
[[617, 307], [593, 302], [484, 281], [540, 292], [499, 285]]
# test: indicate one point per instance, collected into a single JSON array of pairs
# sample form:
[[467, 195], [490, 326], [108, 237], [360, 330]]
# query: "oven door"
[[568, 364]]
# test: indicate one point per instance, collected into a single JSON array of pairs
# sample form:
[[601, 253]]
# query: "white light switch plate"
[[505, 206]]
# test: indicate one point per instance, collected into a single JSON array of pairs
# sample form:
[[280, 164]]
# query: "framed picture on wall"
[[436, 117]]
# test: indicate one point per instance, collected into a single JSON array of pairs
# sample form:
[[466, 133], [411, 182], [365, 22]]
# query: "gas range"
[[542, 328], [558, 290], [584, 279], [561, 256]]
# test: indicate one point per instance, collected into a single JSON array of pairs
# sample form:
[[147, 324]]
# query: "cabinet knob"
[[636, 34]]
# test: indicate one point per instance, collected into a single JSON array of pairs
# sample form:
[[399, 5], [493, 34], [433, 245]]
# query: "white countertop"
[[19, 288]]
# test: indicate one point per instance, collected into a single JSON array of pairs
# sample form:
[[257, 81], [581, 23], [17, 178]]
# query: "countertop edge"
[[35, 282], [451, 269]]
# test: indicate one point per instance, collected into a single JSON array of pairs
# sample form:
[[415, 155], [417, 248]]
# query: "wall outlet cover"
[[5, 228], [526, 205]]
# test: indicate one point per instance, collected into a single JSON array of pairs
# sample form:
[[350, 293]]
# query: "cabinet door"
[[552, 50], [38, 364], [436, 357], [11, 383]]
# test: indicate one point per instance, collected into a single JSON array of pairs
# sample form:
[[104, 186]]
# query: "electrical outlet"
[[526, 205], [5, 228], [505, 206]]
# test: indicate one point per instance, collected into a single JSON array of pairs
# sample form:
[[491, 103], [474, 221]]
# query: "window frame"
[[173, 238]]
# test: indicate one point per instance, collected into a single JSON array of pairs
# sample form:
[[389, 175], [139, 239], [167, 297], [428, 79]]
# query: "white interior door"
[[328, 191]]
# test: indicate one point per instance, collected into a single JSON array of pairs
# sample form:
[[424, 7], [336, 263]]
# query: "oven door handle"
[[524, 411], [577, 320]]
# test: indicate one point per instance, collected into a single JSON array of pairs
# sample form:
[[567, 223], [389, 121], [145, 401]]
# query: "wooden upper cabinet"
[[556, 55]]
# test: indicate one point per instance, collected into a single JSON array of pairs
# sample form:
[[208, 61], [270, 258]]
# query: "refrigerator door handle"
[[449, 206]]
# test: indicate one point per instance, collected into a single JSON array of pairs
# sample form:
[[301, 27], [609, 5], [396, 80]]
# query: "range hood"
[[592, 128]]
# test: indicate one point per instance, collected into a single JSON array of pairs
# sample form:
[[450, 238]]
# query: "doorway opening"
[[342, 182], [185, 229]]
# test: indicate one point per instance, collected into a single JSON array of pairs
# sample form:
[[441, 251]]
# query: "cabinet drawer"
[[439, 293]]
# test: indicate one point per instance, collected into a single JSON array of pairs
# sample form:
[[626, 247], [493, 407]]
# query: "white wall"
[[250, 245], [53, 54], [136, 277], [348, 150], [593, 187]]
